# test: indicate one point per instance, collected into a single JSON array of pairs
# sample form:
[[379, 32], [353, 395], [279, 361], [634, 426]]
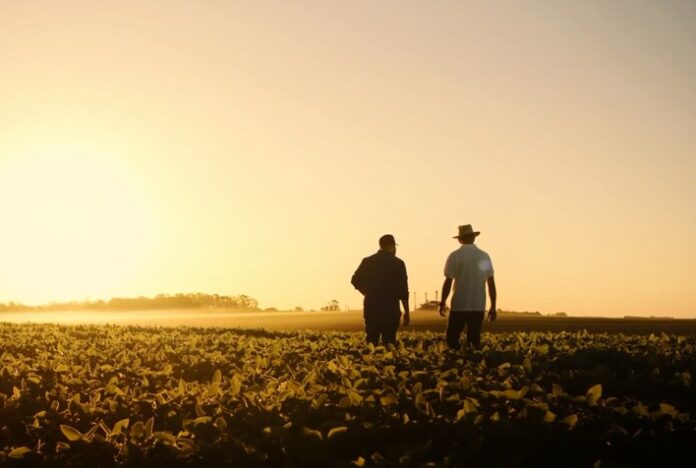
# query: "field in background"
[[426, 320]]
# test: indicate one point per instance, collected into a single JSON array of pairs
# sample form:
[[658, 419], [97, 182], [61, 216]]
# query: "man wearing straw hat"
[[471, 269]]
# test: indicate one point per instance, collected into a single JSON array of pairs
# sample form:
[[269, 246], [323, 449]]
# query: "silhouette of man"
[[470, 268], [382, 279]]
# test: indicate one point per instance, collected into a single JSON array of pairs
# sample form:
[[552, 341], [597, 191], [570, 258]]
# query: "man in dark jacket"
[[382, 279]]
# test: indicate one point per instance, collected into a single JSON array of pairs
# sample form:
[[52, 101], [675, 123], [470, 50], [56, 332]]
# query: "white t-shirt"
[[470, 267]]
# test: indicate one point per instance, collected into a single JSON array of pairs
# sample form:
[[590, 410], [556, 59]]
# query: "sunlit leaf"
[[422, 403], [137, 429], [336, 431], [312, 433], [556, 390], [70, 433], [19, 452], [220, 423], [120, 426], [164, 436], [388, 400], [571, 420], [593, 394], [549, 417]]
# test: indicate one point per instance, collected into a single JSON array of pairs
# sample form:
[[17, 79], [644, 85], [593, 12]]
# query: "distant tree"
[[332, 306], [299, 309], [246, 302]]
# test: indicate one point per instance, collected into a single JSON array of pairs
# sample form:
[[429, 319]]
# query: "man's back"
[[382, 279], [470, 267]]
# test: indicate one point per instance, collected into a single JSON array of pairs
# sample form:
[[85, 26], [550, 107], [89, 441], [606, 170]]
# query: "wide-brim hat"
[[466, 230]]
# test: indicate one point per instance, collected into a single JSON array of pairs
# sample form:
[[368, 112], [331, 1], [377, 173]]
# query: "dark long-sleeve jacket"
[[382, 279]]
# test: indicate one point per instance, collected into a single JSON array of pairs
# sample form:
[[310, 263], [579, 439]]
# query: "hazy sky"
[[263, 147]]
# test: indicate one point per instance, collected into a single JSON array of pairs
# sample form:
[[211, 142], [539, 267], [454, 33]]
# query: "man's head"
[[466, 235], [387, 243]]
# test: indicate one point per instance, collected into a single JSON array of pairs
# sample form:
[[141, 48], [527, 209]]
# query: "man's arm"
[[405, 294], [493, 293], [446, 288], [358, 279]]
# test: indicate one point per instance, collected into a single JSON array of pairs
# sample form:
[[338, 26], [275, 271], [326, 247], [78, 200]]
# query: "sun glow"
[[73, 221]]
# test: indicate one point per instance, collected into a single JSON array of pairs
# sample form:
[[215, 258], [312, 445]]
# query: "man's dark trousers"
[[382, 323], [458, 319]]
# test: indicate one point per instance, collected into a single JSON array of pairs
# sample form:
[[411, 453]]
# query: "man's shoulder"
[[454, 253], [371, 258], [483, 253]]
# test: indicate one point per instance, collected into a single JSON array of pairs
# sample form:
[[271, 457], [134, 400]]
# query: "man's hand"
[[443, 309], [492, 314], [407, 319]]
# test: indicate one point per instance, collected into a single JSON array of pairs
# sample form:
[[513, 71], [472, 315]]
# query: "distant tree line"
[[161, 301]]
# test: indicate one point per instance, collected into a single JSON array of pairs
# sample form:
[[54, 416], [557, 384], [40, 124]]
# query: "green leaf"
[[641, 410], [388, 400], [235, 386], [527, 364], [556, 390], [668, 409], [70, 433], [137, 429], [19, 452], [213, 390], [165, 436], [549, 417], [355, 398], [512, 394], [571, 420], [120, 425], [336, 431], [149, 426], [202, 420], [469, 406], [422, 403], [312, 433], [220, 423], [593, 394]]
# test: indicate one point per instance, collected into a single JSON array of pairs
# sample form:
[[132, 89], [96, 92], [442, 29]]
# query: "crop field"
[[105, 395], [421, 320]]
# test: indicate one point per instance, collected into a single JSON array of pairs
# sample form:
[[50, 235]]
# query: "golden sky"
[[263, 147]]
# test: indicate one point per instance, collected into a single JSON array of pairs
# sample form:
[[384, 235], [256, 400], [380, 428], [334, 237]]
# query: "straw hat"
[[466, 231]]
